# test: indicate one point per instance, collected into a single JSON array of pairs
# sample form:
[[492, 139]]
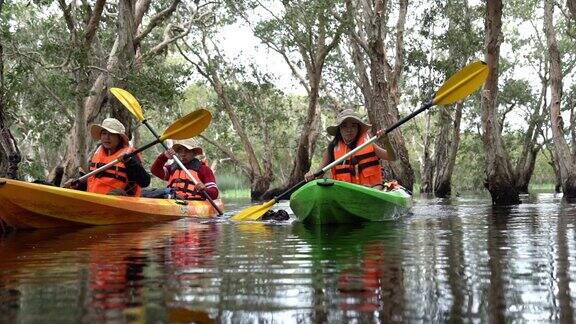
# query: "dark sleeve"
[[330, 151], [82, 185], [207, 177], [136, 172], [157, 168]]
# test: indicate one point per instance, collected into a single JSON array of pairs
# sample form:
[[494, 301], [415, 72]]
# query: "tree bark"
[[260, 176], [10, 155], [382, 95], [310, 131], [571, 4], [566, 159], [92, 89], [77, 150], [427, 163], [313, 48], [445, 163], [313, 55], [127, 55], [530, 148], [553, 162], [499, 181]]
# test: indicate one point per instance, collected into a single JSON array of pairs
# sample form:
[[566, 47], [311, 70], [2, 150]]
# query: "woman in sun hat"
[[127, 177], [189, 152], [363, 167]]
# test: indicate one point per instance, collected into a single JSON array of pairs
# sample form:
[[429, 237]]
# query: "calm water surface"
[[449, 260]]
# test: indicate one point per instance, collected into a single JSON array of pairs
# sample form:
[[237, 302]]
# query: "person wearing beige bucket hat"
[[127, 177], [191, 155], [363, 167]]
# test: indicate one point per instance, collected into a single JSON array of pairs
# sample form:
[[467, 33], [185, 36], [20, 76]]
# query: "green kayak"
[[327, 201]]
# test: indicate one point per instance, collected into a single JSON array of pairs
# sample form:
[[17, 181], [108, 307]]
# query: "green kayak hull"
[[327, 201]]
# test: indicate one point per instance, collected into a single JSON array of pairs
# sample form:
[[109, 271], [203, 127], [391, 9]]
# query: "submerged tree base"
[[569, 187], [443, 190], [503, 195]]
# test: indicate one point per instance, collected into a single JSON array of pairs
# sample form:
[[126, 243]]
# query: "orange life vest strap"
[[97, 165], [186, 182], [362, 166], [347, 165]]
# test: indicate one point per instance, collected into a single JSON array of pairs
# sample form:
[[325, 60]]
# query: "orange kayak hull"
[[25, 205]]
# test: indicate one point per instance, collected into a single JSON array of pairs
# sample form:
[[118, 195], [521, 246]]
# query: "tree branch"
[[155, 20], [229, 154], [70, 22], [94, 21]]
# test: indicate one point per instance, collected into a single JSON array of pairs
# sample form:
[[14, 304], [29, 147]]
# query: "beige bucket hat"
[[112, 125], [347, 114], [190, 144]]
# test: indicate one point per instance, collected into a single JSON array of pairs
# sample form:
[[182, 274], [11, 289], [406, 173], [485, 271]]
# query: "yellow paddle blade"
[[128, 100], [254, 213], [461, 84], [188, 126]]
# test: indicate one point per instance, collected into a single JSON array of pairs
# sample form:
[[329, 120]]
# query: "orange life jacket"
[[113, 178], [182, 185], [363, 167]]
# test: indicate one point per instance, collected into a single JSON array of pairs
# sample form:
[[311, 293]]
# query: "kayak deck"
[[328, 201], [29, 205]]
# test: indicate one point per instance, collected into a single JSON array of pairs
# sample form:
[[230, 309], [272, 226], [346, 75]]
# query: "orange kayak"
[[25, 205]]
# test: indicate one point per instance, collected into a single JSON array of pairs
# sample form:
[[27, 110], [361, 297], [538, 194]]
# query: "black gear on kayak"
[[279, 215]]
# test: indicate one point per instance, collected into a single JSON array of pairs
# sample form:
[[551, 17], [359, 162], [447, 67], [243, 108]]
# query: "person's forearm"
[[159, 169], [381, 153], [212, 192]]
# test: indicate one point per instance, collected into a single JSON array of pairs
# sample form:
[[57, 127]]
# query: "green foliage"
[[543, 172], [258, 106], [43, 66], [469, 171], [230, 181]]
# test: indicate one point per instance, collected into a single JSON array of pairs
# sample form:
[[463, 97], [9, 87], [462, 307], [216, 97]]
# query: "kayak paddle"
[[188, 126], [130, 102], [457, 87]]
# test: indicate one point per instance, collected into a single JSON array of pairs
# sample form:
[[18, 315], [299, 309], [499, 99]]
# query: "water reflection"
[[89, 275], [488, 263], [357, 271], [450, 261]]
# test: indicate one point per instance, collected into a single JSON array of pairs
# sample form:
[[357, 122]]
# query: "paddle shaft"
[[181, 165], [111, 164]]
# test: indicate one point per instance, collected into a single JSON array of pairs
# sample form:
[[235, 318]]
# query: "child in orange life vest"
[[127, 177], [188, 151], [364, 166]]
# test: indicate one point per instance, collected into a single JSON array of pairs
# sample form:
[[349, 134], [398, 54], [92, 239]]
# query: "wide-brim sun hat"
[[190, 144], [112, 125], [347, 114]]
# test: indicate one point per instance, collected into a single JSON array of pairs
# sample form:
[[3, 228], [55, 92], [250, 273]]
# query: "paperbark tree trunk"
[[427, 162], [259, 171], [318, 40], [381, 87], [92, 86], [311, 128], [566, 158], [530, 148], [571, 4], [10, 155], [445, 163], [314, 54], [499, 181]]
